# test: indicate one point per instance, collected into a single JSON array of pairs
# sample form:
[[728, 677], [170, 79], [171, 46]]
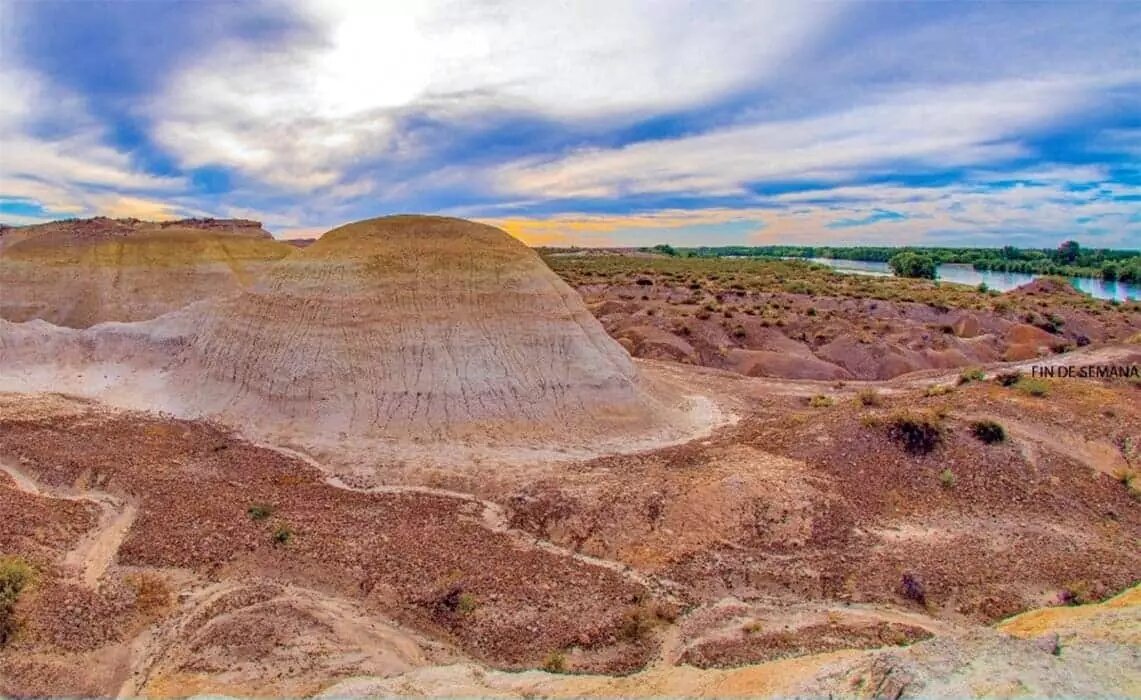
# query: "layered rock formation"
[[82, 272], [407, 328], [442, 325]]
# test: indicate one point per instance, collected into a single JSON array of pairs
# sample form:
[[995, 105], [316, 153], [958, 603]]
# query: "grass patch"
[[918, 433], [820, 401], [988, 431], [938, 390], [947, 479], [869, 397], [15, 575], [1032, 387], [556, 662], [972, 374], [466, 604], [1128, 479]]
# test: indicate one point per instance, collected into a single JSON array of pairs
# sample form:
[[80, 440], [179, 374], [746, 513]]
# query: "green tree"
[[911, 264], [1068, 252]]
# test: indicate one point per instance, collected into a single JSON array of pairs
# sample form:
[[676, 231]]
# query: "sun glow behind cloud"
[[613, 121]]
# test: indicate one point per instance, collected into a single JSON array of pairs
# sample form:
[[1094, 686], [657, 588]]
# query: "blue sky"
[[593, 122]]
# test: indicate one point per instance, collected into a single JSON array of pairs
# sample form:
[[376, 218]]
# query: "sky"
[[586, 122]]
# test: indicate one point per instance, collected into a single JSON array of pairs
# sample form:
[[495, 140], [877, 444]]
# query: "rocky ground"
[[806, 529]]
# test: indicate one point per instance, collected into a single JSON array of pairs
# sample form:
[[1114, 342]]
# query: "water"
[[1000, 281]]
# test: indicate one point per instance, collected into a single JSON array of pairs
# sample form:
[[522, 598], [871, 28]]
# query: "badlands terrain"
[[416, 458]]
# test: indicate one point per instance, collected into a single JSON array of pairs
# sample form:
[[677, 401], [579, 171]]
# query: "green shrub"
[[988, 431], [15, 575], [283, 534], [947, 479], [466, 603], [919, 433], [820, 401], [1032, 387], [972, 374], [912, 264]]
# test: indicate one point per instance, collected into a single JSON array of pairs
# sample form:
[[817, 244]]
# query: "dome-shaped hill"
[[79, 273], [420, 326], [414, 329]]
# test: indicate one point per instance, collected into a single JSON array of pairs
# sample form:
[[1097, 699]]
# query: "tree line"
[[1069, 259]]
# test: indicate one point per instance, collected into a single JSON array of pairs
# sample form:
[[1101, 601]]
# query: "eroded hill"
[[82, 272]]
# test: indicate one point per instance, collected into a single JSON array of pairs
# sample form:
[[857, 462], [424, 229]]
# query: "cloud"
[[301, 115], [955, 125], [55, 154], [1033, 212], [608, 120]]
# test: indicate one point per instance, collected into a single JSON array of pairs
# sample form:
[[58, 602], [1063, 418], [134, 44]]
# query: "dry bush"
[[556, 662], [638, 621], [988, 431], [919, 433], [152, 594]]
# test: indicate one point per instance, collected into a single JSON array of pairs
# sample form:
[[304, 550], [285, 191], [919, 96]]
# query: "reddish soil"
[[421, 559], [744, 319], [850, 511]]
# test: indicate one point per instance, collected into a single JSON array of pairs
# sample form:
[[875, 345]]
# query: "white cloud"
[[956, 125], [72, 170], [299, 115]]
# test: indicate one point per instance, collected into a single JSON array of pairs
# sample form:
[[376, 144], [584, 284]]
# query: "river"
[[1001, 281]]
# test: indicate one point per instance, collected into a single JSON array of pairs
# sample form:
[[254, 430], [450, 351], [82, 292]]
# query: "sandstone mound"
[[420, 329], [82, 272]]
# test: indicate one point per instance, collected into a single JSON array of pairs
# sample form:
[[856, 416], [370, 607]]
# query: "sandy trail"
[[95, 552]]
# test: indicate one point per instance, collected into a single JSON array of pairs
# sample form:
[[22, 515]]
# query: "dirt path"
[[346, 639], [95, 552]]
